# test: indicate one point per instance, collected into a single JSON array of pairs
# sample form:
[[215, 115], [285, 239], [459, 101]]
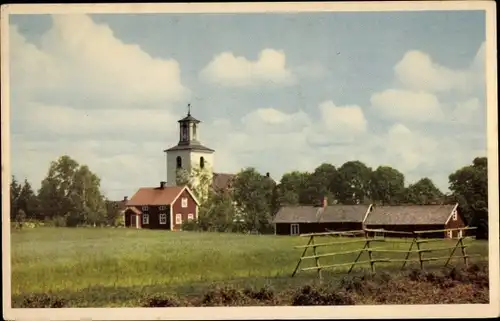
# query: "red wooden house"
[[163, 207]]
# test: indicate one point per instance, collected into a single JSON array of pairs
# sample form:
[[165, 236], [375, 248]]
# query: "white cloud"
[[229, 70], [417, 71], [79, 58], [342, 120], [274, 120], [468, 112], [398, 104]]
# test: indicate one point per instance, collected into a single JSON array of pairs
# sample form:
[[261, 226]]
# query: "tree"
[[352, 184], [292, 189], [22, 197], [73, 192], [424, 192], [217, 213], [20, 218], [321, 183], [199, 180], [469, 187], [253, 194], [15, 192], [387, 185]]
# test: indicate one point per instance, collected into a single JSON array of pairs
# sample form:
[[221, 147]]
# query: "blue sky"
[[278, 92]]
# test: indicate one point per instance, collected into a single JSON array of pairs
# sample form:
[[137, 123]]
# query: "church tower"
[[189, 153]]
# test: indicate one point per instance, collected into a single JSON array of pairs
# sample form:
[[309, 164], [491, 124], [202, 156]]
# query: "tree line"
[[70, 195]]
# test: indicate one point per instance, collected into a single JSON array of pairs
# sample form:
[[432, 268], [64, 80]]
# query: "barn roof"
[[157, 195], [410, 215], [297, 214], [343, 213], [313, 214]]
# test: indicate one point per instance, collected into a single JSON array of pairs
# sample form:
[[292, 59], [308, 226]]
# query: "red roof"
[[155, 195]]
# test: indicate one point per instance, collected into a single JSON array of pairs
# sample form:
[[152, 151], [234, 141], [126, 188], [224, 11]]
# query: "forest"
[[70, 195]]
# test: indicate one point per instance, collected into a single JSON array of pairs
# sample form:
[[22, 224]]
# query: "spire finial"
[[189, 109]]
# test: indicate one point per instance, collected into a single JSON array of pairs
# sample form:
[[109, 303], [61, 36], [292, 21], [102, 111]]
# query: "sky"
[[278, 92]]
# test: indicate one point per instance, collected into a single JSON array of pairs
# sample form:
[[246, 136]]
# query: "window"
[[450, 234], [460, 234], [163, 218], [145, 208], [162, 208], [178, 219], [294, 229], [184, 202], [202, 162], [179, 162], [145, 219], [454, 216], [190, 217]]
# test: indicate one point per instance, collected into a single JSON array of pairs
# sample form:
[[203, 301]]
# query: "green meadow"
[[106, 267]]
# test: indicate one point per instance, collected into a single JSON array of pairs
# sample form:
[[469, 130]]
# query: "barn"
[[293, 220], [162, 207], [417, 218]]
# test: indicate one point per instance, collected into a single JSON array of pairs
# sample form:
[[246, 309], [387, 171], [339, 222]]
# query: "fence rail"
[[414, 247]]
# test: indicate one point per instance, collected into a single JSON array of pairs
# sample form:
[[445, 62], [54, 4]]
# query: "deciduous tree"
[[424, 192], [387, 185], [72, 191], [469, 186]]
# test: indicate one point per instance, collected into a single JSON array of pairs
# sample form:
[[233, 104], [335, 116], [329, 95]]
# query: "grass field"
[[94, 267]]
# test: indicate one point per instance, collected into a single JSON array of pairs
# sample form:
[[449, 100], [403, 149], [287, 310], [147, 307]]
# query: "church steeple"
[[188, 133], [189, 153]]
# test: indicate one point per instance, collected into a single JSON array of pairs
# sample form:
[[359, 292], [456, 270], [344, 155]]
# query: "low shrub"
[[224, 296], [159, 301], [308, 295], [42, 300]]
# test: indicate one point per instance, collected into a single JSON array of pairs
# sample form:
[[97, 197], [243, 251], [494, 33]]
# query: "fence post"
[[452, 252], [408, 254], [415, 235], [464, 253], [300, 259], [372, 263], [357, 258], [316, 259]]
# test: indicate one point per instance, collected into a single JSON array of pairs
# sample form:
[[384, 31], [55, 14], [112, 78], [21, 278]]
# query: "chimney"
[[267, 174], [162, 184], [324, 202], [125, 198]]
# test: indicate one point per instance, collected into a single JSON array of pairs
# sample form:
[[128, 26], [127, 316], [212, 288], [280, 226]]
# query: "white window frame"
[[292, 229], [184, 202], [454, 215], [450, 234], [162, 208], [145, 208], [178, 219], [190, 217], [460, 234], [162, 218], [145, 218]]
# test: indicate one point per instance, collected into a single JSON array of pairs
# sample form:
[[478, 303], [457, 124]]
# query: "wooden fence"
[[379, 236]]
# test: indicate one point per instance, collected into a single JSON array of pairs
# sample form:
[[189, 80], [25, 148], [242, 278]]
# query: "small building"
[[293, 220], [163, 207], [412, 218]]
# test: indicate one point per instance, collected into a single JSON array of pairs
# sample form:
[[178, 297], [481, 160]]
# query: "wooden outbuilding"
[[410, 218], [293, 220]]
